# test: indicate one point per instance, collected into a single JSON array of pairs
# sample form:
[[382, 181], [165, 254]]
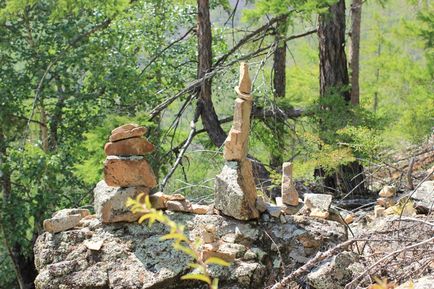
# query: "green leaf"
[[200, 277], [217, 261]]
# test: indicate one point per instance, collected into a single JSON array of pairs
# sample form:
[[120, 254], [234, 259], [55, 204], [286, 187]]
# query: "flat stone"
[[128, 147], [318, 201], [236, 144], [387, 192], [318, 213], [127, 131], [68, 212], [179, 206], [289, 193], [292, 210], [61, 223], [200, 209], [110, 202], [232, 249], [235, 191], [94, 245], [274, 210], [128, 172]]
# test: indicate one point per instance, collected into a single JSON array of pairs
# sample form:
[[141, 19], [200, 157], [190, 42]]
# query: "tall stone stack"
[[126, 173], [289, 192], [235, 190]]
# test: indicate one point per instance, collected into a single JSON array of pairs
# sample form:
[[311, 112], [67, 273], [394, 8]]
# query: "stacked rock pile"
[[235, 189], [385, 200]]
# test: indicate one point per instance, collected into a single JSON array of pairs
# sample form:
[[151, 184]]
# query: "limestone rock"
[[158, 200], [317, 201], [387, 192], [128, 172], [244, 84], [379, 211], [289, 193], [236, 144], [179, 206], [110, 202], [386, 202], [128, 147], [424, 196], [68, 212], [200, 209], [132, 255], [61, 223], [127, 131], [235, 191], [335, 273]]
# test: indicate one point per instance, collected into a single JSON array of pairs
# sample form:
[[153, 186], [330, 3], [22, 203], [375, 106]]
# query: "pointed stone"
[[235, 191], [128, 147], [245, 84], [289, 193], [127, 131], [236, 145], [128, 171]]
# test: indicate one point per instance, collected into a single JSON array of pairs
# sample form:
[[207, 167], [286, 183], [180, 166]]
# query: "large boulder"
[[424, 196], [129, 255]]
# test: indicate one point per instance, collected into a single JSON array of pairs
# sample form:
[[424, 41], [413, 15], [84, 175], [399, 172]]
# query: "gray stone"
[[235, 191], [61, 223], [425, 282], [110, 202], [335, 273], [317, 201], [424, 195]]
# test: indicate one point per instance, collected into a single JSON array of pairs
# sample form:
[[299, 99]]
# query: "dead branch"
[[320, 256], [382, 260]]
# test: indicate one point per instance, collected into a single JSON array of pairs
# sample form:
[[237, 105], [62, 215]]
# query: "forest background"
[[71, 71]]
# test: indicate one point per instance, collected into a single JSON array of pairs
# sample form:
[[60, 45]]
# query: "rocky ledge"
[[129, 255]]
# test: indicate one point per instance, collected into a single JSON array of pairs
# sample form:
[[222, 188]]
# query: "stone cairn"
[[235, 190], [384, 201]]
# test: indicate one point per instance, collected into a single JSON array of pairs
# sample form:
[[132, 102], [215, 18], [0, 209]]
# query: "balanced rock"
[[127, 131], [245, 84], [128, 171], [128, 147], [110, 202], [235, 191], [236, 144], [289, 193], [387, 192]]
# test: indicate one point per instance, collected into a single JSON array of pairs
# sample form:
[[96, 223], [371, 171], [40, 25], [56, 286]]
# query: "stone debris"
[[158, 201], [235, 190], [387, 192], [179, 206], [94, 245], [386, 202], [318, 213], [288, 190], [274, 210], [349, 218], [201, 209], [61, 223], [279, 201]]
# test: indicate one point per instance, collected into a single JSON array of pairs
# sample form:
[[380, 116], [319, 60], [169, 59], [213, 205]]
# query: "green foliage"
[[180, 241]]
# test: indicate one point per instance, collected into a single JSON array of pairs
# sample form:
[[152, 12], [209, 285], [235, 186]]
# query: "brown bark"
[[56, 118], [43, 129], [333, 61], [334, 79], [205, 105], [356, 15], [279, 61]]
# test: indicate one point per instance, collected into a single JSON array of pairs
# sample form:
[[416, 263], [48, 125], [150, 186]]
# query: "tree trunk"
[[279, 88], [356, 15], [334, 79], [208, 115], [56, 118]]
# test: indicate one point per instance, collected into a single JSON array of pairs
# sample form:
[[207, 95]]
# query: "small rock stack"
[[126, 174], [235, 190], [385, 200]]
